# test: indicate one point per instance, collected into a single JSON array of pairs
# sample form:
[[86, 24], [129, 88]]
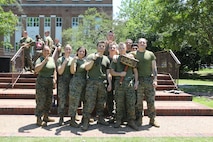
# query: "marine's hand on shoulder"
[[115, 58]]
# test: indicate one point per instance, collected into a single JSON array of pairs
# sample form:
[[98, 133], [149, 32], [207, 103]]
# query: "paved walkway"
[[170, 126]]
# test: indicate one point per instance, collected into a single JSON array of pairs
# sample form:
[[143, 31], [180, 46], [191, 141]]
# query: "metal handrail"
[[177, 62], [17, 73], [174, 57]]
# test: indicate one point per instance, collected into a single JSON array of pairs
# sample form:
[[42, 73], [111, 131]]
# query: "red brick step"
[[163, 108]]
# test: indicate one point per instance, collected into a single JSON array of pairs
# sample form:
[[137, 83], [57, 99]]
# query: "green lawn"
[[199, 84], [195, 86], [113, 139]]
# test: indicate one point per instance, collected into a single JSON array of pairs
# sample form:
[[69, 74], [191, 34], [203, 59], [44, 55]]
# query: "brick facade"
[[65, 9]]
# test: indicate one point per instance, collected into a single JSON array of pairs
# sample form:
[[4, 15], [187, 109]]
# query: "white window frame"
[[58, 21], [33, 21], [47, 21], [75, 22]]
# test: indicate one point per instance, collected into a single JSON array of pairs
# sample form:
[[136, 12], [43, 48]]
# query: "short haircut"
[[134, 44], [79, 49], [101, 41]]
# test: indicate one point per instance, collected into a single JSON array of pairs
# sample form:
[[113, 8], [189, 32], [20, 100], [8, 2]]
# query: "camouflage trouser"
[[63, 91], [125, 97], [147, 91], [44, 93], [95, 97], [77, 90], [28, 59], [110, 99]]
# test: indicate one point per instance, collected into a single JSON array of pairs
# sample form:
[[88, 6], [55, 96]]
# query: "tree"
[[8, 20], [175, 25], [186, 23], [91, 27], [138, 16]]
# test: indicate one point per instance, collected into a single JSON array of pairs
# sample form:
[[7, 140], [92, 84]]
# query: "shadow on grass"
[[198, 90], [203, 77]]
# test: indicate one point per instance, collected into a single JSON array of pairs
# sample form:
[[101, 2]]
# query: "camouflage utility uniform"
[[63, 85], [77, 87], [27, 56], [95, 96], [44, 87], [145, 89], [124, 93]]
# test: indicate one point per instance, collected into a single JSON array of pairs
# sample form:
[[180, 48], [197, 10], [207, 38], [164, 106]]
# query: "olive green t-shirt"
[[48, 69], [67, 67], [80, 68], [145, 62], [27, 40], [49, 40], [119, 67], [99, 68]]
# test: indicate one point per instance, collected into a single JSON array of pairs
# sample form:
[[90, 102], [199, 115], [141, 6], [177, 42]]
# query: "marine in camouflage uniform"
[[26, 42], [125, 97], [95, 96], [64, 77], [45, 67], [49, 40], [113, 50], [77, 88], [147, 72]]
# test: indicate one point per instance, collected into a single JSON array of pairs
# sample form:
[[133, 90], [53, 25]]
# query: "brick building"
[[38, 16]]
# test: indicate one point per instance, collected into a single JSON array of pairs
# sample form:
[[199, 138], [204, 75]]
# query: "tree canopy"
[[185, 26], [91, 27], [8, 20], [176, 23]]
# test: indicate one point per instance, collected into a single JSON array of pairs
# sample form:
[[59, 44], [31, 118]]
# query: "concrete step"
[[25, 85], [163, 108], [165, 82], [166, 87], [20, 93], [30, 94]]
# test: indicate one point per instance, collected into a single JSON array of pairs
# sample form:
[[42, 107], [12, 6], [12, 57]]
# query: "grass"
[[203, 100], [195, 86], [199, 84], [112, 139]]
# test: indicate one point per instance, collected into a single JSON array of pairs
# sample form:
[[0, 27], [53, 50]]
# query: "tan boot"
[[102, 121], [153, 123], [47, 119], [73, 123], [117, 124], [85, 124], [39, 121], [132, 124]]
